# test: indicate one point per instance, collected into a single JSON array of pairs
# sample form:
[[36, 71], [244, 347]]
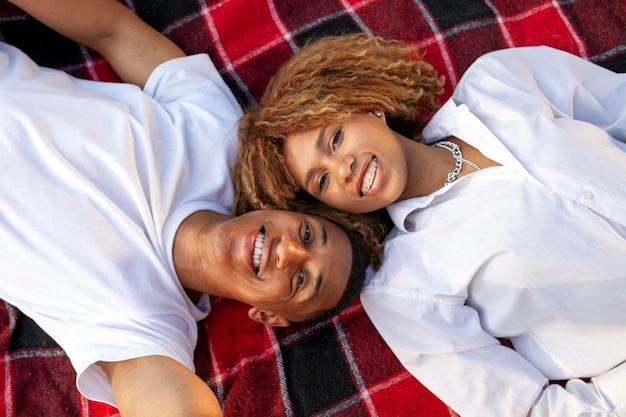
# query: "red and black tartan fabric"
[[340, 368]]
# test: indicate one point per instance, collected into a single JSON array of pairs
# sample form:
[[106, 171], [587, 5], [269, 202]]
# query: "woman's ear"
[[267, 317], [378, 113]]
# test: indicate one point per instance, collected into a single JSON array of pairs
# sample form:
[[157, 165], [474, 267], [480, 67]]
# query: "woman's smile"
[[370, 174]]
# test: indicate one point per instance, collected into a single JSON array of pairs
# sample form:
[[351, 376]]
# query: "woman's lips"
[[369, 175]]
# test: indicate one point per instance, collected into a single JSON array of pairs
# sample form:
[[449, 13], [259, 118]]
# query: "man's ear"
[[267, 317]]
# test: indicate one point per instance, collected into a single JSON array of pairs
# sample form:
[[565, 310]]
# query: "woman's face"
[[357, 166]]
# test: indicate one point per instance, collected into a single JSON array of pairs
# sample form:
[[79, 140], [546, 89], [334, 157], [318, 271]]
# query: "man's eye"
[[307, 235], [300, 279], [323, 181]]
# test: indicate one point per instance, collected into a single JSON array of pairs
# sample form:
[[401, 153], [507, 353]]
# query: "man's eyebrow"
[[318, 285], [320, 277], [318, 145]]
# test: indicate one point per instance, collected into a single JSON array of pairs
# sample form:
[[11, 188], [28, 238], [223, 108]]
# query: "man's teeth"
[[369, 176], [258, 250]]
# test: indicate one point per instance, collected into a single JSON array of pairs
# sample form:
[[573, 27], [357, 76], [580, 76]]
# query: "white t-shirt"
[[533, 251], [95, 179]]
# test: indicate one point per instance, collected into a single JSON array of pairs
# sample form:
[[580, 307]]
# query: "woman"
[[510, 219]]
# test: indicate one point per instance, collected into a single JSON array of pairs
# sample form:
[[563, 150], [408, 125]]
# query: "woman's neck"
[[429, 166]]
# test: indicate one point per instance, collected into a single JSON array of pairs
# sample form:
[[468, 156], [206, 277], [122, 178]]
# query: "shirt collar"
[[454, 120], [401, 210]]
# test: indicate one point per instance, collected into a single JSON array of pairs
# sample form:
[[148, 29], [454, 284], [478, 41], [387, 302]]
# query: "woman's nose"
[[345, 166], [290, 252]]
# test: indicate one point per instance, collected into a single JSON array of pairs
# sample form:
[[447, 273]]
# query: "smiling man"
[[114, 214], [291, 267]]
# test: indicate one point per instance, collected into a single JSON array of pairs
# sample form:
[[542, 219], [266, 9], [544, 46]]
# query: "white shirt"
[[95, 179], [533, 251]]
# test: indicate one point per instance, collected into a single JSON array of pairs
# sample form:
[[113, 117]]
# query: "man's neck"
[[189, 252]]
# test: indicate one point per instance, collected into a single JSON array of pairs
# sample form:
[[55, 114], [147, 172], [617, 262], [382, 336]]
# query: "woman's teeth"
[[369, 176], [258, 250]]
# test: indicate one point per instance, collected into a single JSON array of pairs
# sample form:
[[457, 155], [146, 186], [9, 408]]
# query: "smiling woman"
[[341, 163]]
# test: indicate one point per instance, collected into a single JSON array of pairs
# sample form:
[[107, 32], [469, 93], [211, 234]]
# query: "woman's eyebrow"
[[318, 145]]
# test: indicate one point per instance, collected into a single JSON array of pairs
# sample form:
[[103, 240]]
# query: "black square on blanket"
[[450, 13], [45, 46], [316, 371], [341, 25], [28, 335], [160, 13], [616, 64]]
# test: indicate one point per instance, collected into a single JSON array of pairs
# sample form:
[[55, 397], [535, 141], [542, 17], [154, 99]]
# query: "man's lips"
[[257, 250]]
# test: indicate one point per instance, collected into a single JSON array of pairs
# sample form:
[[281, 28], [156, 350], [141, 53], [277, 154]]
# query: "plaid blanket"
[[342, 367]]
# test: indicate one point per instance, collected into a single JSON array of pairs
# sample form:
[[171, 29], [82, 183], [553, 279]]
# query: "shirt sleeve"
[[549, 80], [444, 347], [194, 79]]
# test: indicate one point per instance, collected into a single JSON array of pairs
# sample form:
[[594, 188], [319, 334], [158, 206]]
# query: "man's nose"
[[290, 252]]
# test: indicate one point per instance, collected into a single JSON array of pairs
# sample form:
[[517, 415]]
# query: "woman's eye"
[[323, 181], [335, 140], [307, 235]]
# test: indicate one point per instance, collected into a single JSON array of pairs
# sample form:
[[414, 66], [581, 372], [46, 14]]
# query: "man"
[[114, 214]]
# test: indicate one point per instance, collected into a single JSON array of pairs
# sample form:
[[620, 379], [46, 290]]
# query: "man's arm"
[[131, 46], [159, 386]]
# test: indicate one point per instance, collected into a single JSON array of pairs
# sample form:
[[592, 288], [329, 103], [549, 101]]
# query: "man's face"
[[284, 264]]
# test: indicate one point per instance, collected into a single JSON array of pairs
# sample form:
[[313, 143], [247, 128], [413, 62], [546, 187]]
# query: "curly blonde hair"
[[326, 82]]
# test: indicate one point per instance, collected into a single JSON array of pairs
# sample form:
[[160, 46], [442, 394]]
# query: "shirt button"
[[588, 194]]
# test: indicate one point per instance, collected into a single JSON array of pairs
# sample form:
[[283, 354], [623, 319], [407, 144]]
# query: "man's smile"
[[257, 253]]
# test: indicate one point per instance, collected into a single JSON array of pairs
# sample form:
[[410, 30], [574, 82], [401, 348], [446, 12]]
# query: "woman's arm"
[[535, 79], [445, 348], [131, 46]]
